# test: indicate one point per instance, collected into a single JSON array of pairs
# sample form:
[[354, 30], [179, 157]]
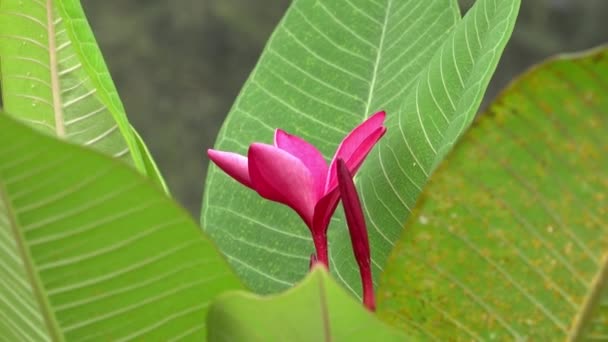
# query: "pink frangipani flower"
[[294, 172], [358, 232]]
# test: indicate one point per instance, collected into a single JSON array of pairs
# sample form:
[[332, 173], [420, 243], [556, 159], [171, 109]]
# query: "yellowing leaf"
[[510, 239]]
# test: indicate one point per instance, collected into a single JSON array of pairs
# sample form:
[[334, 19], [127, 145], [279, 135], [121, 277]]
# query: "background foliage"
[[326, 68], [179, 65]]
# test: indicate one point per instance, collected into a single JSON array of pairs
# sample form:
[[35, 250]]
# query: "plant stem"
[[320, 241], [368, 286]]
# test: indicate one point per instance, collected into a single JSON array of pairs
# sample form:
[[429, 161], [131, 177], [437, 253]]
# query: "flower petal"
[[324, 209], [356, 158], [357, 230], [352, 141], [233, 164], [281, 177], [351, 144], [308, 154]]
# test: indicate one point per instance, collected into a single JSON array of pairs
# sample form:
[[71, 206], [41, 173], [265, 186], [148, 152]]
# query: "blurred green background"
[[178, 65]]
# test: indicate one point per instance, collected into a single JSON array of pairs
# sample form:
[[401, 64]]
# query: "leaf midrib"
[[34, 280], [55, 91], [585, 316], [366, 114], [372, 85], [324, 314]]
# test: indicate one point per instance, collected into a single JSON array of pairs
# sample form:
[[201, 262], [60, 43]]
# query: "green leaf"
[[510, 239], [317, 309], [327, 67], [89, 249], [54, 78], [151, 169]]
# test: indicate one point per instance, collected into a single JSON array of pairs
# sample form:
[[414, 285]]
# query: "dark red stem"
[[320, 241], [357, 230], [368, 286]]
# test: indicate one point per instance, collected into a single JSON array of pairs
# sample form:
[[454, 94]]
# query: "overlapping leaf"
[[510, 240], [90, 250], [54, 78], [318, 309], [328, 66], [316, 79]]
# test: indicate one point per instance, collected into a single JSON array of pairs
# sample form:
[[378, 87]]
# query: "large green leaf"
[[91, 250], [327, 67], [318, 309], [54, 78], [510, 240]]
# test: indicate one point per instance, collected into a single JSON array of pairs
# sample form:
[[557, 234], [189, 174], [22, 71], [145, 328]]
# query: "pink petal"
[[356, 158], [233, 164], [352, 142], [280, 177], [307, 153], [324, 209], [357, 230]]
